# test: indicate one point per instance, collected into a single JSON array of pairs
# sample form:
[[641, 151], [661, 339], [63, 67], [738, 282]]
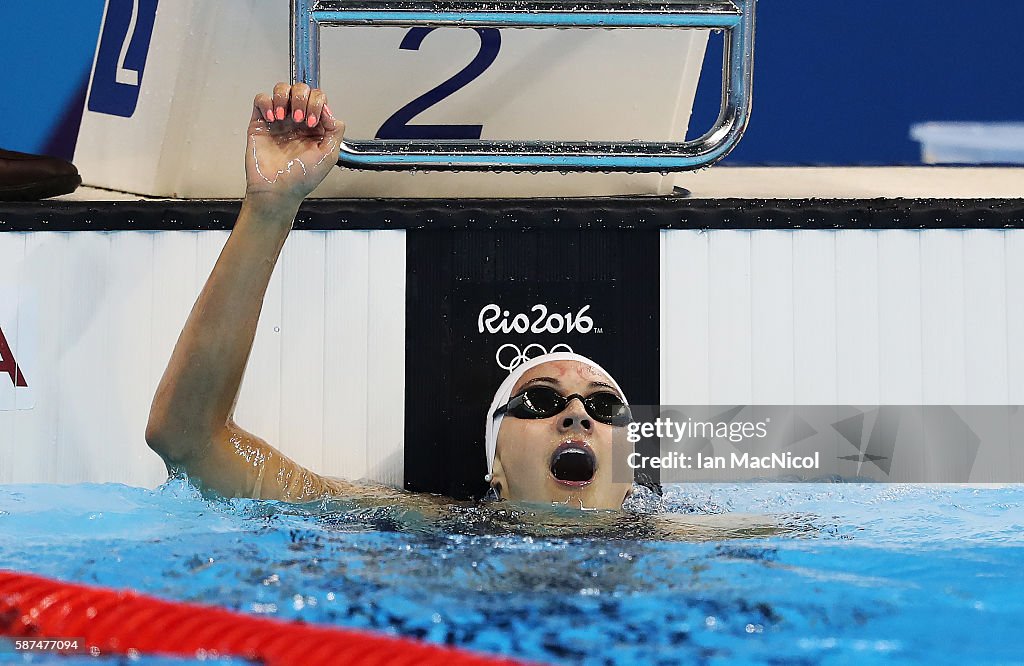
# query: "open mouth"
[[573, 464]]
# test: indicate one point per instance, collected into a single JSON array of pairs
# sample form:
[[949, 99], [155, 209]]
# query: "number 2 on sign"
[[398, 127]]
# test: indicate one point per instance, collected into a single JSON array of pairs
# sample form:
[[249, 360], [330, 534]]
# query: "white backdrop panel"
[[771, 302], [857, 337], [110, 306], [842, 317]]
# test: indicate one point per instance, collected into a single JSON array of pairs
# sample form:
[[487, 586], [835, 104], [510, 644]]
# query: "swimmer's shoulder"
[[712, 527], [372, 494]]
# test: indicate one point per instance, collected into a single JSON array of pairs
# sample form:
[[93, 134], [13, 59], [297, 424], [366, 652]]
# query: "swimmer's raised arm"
[[293, 142]]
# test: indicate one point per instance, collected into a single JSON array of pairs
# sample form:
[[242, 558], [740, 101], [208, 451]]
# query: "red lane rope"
[[122, 621]]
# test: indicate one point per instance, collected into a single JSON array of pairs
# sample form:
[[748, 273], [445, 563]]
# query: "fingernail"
[[268, 116], [298, 115], [311, 121], [280, 113], [328, 110]]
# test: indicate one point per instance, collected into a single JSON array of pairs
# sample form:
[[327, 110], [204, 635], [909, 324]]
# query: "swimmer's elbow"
[[171, 443], [159, 439]]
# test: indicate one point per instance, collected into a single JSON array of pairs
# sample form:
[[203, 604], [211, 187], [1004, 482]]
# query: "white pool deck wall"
[[748, 317], [324, 383], [847, 317]]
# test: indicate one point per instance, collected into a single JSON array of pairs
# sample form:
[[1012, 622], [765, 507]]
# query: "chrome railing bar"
[[737, 82]]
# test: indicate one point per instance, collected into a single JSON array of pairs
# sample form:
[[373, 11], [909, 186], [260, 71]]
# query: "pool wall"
[[905, 303]]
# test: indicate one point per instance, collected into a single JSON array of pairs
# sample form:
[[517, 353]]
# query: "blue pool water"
[[876, 574]]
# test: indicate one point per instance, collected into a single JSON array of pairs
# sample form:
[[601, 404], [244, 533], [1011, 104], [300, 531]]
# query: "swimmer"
[[548, 432]]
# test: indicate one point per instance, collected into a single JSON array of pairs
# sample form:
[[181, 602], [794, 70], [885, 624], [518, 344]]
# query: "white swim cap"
[[504, 393]]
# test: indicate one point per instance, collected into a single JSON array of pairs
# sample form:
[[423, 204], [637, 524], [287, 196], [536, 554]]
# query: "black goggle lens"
[[540, 402], [607, 407]]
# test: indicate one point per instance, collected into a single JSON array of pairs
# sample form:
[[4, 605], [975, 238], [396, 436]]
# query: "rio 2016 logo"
[[510, 356], [492, 319]]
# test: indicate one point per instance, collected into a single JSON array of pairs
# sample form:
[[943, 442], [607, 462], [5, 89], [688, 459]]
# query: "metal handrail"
[[735, 17]]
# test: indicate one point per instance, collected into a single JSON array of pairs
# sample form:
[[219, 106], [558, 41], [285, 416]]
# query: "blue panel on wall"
[[48, 54], [842, 82]]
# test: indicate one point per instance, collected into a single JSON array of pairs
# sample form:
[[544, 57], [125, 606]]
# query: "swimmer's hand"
[[293, 143]]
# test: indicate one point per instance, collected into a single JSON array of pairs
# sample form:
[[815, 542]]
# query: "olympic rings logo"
[[510, 356]]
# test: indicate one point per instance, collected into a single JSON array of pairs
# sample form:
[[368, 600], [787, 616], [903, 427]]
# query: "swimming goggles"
[[541, 402]]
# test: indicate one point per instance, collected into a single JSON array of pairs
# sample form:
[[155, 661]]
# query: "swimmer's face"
[[565, 458]]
